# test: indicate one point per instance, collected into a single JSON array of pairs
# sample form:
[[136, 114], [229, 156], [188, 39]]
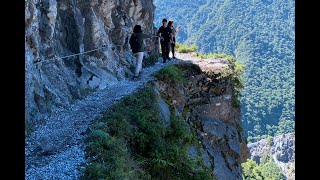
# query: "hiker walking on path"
[[137, 47], [165, 34], [173, 42]]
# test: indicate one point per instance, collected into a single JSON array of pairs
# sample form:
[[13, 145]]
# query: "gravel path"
[[56, 150]]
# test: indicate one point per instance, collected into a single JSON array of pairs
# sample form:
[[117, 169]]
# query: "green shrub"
[[251, 171], [267, 170], [132, 142], [172, 74], [238, 83], [178, 73], [271, 171], [182, 48], [214, 55], [109, 149]]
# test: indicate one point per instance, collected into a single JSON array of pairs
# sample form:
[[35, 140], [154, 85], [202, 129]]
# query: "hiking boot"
[[164, 59], [169, 59]]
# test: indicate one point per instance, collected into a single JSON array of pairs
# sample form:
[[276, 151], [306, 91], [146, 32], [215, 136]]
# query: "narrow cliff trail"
[[55, 150]]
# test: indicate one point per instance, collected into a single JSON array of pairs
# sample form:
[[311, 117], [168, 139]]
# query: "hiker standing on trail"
[[165, 34], [137, 47], [174, 33]]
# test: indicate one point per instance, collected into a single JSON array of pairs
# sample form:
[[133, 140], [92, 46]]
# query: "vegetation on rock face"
[[234, 74], [237, 81], [130, 141], [267, 170], [171, 74], [214, 55], [177, 73], [260, 34], [182, 48]]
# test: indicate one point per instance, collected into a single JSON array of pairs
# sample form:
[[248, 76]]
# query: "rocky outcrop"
[[282, 150], [55, 29], [206, 103]]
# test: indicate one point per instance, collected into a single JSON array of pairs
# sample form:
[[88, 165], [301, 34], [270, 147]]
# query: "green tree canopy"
[[260, 34]]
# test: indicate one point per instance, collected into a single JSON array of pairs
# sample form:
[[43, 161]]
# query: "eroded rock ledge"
[[207, 103]]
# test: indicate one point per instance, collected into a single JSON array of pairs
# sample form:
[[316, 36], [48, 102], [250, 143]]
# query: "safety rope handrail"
[[103, 46], [55, 58]]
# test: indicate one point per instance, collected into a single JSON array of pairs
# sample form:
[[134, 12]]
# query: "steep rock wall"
[[60, 28], [206, 103], [282, 150]]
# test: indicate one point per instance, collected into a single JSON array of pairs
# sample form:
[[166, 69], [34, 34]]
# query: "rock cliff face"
[[206, 103], [55, 29], [282, 150]]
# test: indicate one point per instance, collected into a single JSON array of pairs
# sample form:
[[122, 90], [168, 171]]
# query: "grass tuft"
[[132, 142], [182, 48]]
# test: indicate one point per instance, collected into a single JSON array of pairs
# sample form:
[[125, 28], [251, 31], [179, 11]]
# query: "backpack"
[[134, 42]]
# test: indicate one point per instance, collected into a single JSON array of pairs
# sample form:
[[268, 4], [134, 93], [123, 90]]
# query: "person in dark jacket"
[[165, 34], [137, 47], [174, 33]]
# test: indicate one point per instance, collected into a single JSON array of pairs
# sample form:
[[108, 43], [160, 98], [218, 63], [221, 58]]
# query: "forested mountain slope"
[[261, 35]]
